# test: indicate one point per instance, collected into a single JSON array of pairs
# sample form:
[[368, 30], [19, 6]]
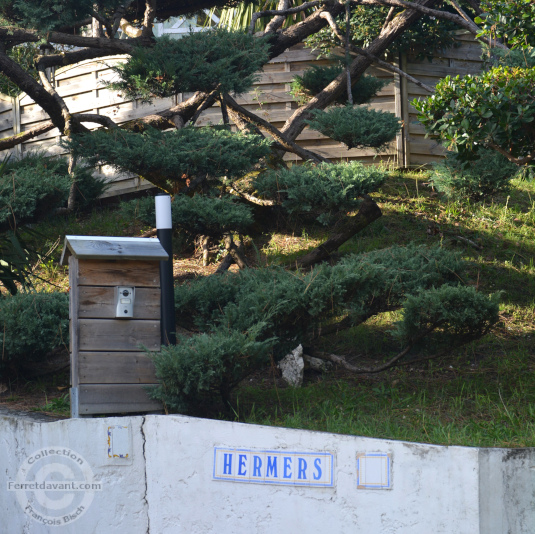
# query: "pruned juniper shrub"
[[32, 325], [356, 127], [227, 61], [315, 79], [197, 215], [34, 186], [169, 159], [243, 319], [322, 189], [477, 179]]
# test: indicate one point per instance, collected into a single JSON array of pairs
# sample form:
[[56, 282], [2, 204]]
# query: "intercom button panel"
[[125, 302]]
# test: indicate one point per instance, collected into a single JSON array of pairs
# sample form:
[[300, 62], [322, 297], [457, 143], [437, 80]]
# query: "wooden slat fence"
[[81, 87]]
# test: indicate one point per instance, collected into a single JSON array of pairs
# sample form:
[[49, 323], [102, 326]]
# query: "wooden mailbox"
[[114, 315]]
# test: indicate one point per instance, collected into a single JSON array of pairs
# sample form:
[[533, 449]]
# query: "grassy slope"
[[482, 395]]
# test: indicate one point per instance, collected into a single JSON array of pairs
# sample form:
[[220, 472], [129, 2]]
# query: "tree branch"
[[288, 146], [148, 18], [369, 211], [338, 32], [518, 161], [280, 15], [17, 139], [295, 124], [18, 35], [33, 89], [452, 17]]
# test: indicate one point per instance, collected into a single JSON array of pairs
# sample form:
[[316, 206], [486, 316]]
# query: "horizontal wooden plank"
[[115, 368], [101, 399], [115, 272], [100, 302], [118, 335]]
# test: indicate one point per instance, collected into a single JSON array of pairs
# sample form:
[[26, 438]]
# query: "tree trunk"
[[369, 211]]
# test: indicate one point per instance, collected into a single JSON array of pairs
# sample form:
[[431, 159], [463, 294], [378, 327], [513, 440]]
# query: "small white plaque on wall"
[[374, 470], [119, 442], [274, 467]]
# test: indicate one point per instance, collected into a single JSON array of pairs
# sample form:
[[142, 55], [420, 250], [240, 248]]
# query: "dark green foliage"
[[206, 365], [15, 261], [199, 215], [356, 127], [495, 109], [246, 316], [49, 14], [511, 20], [316, 78], [33, 324], [421, 39], [165, 157], [460, 312], [34, 186], [204, 61], [323, 188], [477, 179], [498, 57], [24, 56]]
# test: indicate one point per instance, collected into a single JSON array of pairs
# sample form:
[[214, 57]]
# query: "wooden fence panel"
[[82, 87]]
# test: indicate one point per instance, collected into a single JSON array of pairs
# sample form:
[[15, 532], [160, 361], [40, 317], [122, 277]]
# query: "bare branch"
[[104, 22], [280, 15], [452, 17], [33, 89], [17, 139], [71, 58], [251, 198], [518, 161], [148, 17], [375, 59], [103, 120], [295, 124], [389, 17], [287, 145], [18, 35]]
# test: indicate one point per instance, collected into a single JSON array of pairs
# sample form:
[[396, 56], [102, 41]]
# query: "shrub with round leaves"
[[493, 110]]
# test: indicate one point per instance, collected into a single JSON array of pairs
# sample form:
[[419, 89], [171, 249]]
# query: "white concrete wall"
[[166, 483]]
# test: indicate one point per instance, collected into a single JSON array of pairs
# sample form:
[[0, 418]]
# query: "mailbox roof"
[[112, 248]]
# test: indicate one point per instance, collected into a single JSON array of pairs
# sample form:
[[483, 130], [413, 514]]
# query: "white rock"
[[292, 367]]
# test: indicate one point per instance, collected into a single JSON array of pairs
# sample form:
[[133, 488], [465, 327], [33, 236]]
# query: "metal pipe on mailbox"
[[164, 232]]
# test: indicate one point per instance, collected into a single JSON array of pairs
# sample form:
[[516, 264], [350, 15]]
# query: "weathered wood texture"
[[118, 334], [100, 303], [115, 398], [115, 368], [81, 87], [108, 360], [114, 273]]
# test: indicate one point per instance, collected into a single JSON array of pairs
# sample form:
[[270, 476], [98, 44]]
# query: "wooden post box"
[[114, 315]]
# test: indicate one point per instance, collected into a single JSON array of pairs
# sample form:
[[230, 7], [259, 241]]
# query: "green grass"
[[480, 395]]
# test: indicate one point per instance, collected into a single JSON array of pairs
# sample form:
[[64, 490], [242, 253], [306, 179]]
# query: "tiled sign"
[[374, 470], [274, 467]]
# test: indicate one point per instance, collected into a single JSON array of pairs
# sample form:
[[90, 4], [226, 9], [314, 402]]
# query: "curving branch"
[[286, 144], [467, 23], [296, 123], [359, 51], [280, 13]]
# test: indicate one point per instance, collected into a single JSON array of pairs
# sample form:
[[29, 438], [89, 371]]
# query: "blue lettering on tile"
[[227, 469], [274, 467], [287, 467], [243, 460], [257, 465], [271, 466]]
